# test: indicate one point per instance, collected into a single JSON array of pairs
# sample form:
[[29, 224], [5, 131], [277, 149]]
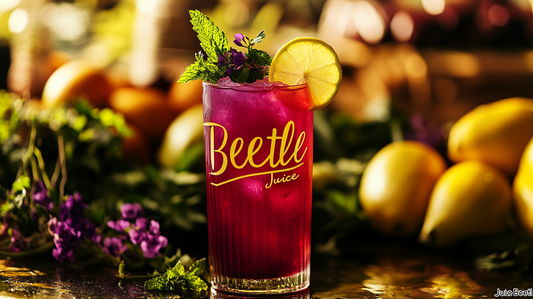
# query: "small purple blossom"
[[137, 232], [114, 246], [40, 196], [70, 229], [237, 58], [131, 212], [152, 244], [239, 40], [119, 225], [66, 240], [18, 242]]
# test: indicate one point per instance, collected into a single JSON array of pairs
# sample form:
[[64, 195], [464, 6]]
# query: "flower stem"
[[40, 161], [61, 145], [31, 146], [28, 253]]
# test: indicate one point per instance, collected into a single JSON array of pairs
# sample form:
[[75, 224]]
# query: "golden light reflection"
[[458, 285], [433, 7], [145, 6], [368, 22], [455, 64], [7, 5], [18, 20], [415, 67], [402, 26]]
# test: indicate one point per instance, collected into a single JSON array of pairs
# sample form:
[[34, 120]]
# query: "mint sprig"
[[220, 60], [178, 280]]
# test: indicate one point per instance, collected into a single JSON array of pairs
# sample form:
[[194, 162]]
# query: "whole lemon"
[[77, 79], [396, 185], [523, 189], [182, 96], [496, 133], [184, 131], [145, 108], [470, 199]]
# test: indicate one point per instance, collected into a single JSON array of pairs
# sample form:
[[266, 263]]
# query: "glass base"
[[279, 285]]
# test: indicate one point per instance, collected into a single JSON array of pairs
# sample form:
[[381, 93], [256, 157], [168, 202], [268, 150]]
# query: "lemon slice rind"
[[312, 61]]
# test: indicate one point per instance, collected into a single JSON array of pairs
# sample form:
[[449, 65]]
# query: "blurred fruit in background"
[[470, 199], [77, 79], [181, 97], [145, 108], [184, 133], [523, 189], [495, 133], [396, 186], [136, 147]]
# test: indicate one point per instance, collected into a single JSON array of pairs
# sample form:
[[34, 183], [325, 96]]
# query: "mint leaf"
[[198, 268], [260, 57], [212, 39], [179, 281], [202, 70]]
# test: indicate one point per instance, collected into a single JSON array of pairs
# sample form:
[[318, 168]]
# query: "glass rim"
[[249, 87]]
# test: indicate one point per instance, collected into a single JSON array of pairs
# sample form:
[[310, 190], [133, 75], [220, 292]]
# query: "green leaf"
[[261, 57], [179, 281], [198, 267], [23, 182], [212, 39], [202, 70], [240, 76]]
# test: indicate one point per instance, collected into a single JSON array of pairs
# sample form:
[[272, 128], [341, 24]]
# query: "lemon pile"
[[407, 191]]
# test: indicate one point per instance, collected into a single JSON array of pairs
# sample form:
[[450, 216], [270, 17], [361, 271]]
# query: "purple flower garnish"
[[239, 40], [237, 58], [221, 60], [131, 212], [114, 246]]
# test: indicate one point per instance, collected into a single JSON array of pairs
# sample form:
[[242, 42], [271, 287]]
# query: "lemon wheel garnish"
[[312, 61]]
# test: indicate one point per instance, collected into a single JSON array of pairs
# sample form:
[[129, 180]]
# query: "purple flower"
[[131, 212], [239, 40], [114, 246], [65, 239], [119, 225], [73, 213], [221, 60], [154, 228], [40, 196], [18, 242], [237, 58], [137, 233], [152, 244]]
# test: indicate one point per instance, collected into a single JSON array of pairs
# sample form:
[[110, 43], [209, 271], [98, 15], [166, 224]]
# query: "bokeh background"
[[411, 68], [439, 58]]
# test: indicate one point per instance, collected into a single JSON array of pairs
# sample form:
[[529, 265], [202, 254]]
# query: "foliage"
[[220, 60], [178, 280], [50, 162]]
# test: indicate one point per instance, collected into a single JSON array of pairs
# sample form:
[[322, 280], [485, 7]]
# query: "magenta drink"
[[258, 144]]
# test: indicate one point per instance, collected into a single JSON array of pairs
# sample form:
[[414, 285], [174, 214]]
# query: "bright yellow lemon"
[[396, 186], [312, 61]]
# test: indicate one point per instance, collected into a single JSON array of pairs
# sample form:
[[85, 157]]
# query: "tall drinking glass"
[[258, 142]]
